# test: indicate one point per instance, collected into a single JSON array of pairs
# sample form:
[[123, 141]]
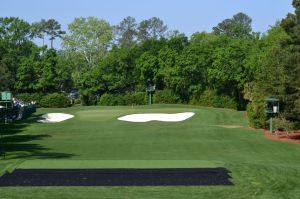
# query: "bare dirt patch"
[[230, 126]]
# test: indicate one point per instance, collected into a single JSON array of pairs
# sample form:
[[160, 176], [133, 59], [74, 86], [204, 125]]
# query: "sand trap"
[[147, 117], [55, 117]]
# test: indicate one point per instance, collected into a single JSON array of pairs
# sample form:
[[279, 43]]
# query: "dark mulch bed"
[[116, 177]]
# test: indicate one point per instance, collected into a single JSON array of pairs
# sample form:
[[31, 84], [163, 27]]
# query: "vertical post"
[[2, 143], [271, 125], [150, 100], [2, 147]]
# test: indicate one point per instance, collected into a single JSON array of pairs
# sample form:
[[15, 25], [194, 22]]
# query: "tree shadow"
[[17, 127], [14, 144]]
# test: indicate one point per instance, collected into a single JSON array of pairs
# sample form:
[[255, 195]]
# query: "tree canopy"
[[231, 65]]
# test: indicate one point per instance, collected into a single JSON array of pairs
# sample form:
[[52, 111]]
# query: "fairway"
[[95, 138]]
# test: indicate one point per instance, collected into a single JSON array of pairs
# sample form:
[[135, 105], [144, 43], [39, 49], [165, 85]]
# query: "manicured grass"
[[96, 139], [81, 164]]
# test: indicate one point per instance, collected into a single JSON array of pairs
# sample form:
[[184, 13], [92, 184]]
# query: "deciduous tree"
[[89, 38]]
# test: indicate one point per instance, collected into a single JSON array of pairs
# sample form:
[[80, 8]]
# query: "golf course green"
[[94, 138]]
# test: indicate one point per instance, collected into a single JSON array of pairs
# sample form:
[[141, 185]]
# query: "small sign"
[[150, 88], [275, 109], [6, 96]]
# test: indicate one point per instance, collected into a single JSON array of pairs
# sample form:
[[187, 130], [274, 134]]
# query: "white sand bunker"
[[176, 117], [55, 117]]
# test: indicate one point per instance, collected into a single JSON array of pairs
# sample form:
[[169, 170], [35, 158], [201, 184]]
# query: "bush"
[[256, 114], [165, 97], [137, 98], [29, 97], [282, 124], [110, 100], [55, 100], [209, 98], [77, 101]]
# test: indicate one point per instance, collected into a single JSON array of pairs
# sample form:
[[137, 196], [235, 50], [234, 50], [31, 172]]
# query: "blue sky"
[[187, 16]]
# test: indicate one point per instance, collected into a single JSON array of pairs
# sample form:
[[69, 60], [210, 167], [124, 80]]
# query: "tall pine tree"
[[291, 25]]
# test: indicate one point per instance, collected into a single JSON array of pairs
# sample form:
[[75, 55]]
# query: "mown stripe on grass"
[[77, 164]]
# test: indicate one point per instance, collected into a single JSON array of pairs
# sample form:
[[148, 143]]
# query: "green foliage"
[[211, 99], [14, 30], [88, 84], [26, 75], [53, 29], [270, 76], [40, 73], [15, 44], [29, 97], [190, 75], [147, 65], [55, 100], [152, 28], [229, 73], [47, 72], [50, 27], [222, 68], [86, 46], [280, 123], [238, 26], [278, 74], [292, 64], [127, 32], [110, 99], [118, 69], [5, 78], [138, 98], [256, 114], [89, 37], [165, 97]]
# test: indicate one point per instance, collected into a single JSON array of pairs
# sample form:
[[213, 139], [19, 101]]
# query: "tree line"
[[231, 66]]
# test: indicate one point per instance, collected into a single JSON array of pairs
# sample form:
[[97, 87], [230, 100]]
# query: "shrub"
[[283, 124], [211, 99], [55, 100], [77, 101], [256, 114], [110, 100], [29, 97], [165, 97], [137, 98]]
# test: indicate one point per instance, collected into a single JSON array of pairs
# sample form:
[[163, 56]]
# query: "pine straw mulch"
[[284, 136]]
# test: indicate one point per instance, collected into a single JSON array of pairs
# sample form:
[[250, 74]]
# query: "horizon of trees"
[[97, 58]]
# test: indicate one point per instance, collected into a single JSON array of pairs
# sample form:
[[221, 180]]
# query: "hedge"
[[55, 100], [211, 99], [165, 97], [256, 114], [29, 97], [137, 98]]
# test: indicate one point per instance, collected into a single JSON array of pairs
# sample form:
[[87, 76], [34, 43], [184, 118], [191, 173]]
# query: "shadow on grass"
[[15, 145]]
